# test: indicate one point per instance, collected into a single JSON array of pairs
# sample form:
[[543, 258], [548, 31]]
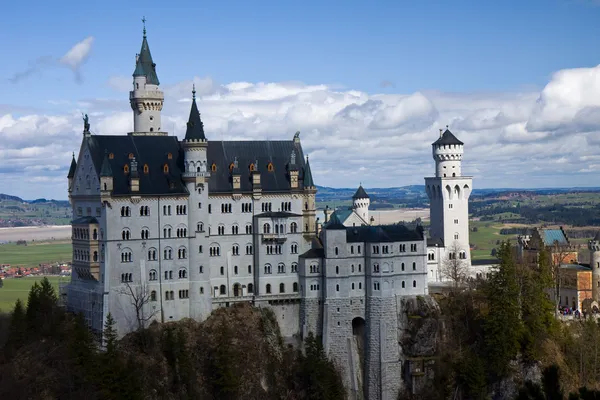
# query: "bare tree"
[[559, 254], [139, 296], [454, 268]]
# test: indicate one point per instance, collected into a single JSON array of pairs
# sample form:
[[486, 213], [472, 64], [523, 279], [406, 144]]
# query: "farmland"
[[18, 288], [35, 253]]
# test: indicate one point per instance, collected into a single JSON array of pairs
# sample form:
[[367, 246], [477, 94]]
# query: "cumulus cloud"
[[72, 59], [514, 139]]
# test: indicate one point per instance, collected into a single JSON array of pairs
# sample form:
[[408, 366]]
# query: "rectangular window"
[[449, 205], [456, 221]]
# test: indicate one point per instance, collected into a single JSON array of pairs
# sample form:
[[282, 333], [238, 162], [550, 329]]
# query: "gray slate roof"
[[277, 152], [73, 167], [448, 138], [360, 193], [144, 65], [382, 233], [432, 242], [195, 127], [147, 150]]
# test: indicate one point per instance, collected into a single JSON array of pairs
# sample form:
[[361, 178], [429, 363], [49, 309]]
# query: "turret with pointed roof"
[[72, 168], [447, 138], [146, 99], [360, 193], [195, 127], [308, 179]]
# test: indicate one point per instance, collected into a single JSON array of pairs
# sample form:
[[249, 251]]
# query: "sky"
[[367, 84]]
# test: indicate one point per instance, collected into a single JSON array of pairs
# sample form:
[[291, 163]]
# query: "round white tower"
[[594, 247], [360, 203], [447, 153], [146, 98]]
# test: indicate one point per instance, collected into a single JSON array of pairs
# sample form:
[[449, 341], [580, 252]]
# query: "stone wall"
[[288, 317], [311, 317]]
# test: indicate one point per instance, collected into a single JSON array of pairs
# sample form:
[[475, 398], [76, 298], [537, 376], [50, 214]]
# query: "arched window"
[[146, 169], [270, 167], [222, 290], [414, 266], [282, 287], [213, 167], [111, 156], [170, 156], [295, 287], [126, 168], [153, 295], [252, 168], [250, 288], [266, 228], [293, 227], [166, 169], [182, 273], [268, 288]]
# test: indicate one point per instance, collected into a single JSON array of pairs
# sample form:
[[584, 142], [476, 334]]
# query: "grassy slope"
[[35, 253], [14, 289], [486, 236]]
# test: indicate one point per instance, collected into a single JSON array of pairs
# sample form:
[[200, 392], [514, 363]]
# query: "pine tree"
[[17, 330], [502, 325], [33, 308], [110, 335]]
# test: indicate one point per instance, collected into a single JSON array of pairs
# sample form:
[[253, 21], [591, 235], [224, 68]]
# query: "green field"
[[35, 253], [488, 233], [18, 288]]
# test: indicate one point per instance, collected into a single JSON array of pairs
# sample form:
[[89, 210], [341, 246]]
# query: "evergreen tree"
[[110, 335], [33, 307], [551, 383], [318, 376], [17, 330], [502, 325], [471, 376]]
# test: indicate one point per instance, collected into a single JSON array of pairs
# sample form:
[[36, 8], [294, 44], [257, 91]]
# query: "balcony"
[[274, 237], [194, 174]]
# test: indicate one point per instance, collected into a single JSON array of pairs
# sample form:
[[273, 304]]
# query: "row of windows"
[[89, 211], [82, 233], [280, 268], [461, 255], [280, 228]]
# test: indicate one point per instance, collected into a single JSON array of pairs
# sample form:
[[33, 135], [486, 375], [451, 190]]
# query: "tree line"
[[237, 353]]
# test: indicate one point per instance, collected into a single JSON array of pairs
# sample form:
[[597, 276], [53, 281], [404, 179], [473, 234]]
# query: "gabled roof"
[[72, 168], [308, 179], [448, 138], [152, 151], [144, 65], [360, 193], [195, 127], [263, 152]]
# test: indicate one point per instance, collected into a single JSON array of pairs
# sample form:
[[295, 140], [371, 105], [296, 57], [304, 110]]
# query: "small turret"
[[308, 179], [71, 174], [106, 176], [361, 202], [447, 153], [195, 127], [594, 247]]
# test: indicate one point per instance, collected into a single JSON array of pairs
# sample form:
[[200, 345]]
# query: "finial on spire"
[[73, 154], [194, 91], [446, 126], [144, 22]]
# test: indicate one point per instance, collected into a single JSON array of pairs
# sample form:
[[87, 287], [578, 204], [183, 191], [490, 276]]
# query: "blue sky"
[[478, 63]]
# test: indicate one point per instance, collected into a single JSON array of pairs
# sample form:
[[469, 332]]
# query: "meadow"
[[35, 253], [18, 288], [486, 237]]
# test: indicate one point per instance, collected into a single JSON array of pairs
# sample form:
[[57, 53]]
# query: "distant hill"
[[14, 211]]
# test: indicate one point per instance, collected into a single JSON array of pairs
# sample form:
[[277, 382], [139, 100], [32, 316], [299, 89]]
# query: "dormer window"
[[111, 156], [214, 167], [270, 167], [231, 166], [170, 156], [131, 156], [126, 168], [166, 169], [146, 169], [252, 168]]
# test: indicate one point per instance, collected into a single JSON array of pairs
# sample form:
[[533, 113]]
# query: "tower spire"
[[193, 91], [195, 127], [144, 22]]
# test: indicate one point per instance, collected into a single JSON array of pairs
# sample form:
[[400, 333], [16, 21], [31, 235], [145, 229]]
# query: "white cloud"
[[527, 139], [78, 54]]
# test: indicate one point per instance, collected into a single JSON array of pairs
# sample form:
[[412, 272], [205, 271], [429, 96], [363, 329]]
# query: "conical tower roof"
[[144, 65], [72, 168], [360, 193], [448, 138], [308, 179], [195, 127]]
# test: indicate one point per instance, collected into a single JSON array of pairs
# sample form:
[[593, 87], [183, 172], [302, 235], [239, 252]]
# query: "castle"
[[165, 229]]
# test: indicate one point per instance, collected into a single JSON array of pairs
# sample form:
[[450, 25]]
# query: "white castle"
[[165, 229]]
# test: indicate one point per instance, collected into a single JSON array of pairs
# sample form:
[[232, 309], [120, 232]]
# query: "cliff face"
[[418, 335]]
